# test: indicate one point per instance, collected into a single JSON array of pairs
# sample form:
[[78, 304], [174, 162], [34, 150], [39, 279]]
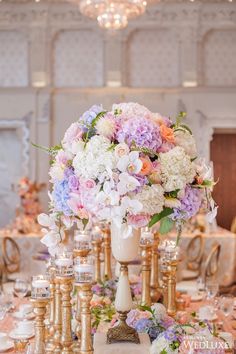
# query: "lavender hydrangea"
[[89, 115], [142, 131], [60, 195], [190, 204], [143, 325]]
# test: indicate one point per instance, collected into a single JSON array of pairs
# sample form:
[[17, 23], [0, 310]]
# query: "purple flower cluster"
[[89, 116], [142, 131], [60, 195], [190, 204]]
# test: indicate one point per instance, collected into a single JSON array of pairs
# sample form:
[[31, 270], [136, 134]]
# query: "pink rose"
[[139, 220], [73, 133], [88, 184]]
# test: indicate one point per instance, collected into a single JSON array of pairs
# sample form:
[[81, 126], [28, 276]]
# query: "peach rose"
[[167, 133], [147, 166]]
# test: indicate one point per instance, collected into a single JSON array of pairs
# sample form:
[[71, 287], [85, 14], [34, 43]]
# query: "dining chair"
[[212, 262], [194, 253], [11, 256], [233, 225]]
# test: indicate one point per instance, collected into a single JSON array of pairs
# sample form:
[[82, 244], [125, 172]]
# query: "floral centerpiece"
[[129, 166]]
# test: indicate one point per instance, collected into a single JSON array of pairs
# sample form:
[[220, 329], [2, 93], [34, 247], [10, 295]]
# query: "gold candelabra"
[[57, 318], [85, 294], [154, 283], [40, 308], [97, 252], [146, 273], [171, 287], [107, 253]]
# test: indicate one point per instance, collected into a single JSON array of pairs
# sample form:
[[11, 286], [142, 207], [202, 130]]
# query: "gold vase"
[[155, 286], [107, 253], [40, 306], [97, 253], [171, 287]]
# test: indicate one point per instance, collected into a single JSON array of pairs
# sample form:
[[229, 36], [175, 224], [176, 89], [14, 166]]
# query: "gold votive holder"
[[40, 308]]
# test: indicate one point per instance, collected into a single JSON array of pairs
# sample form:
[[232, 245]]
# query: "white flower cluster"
[[186, 141], [161, 344], [94, 158], [132, 109], [152, 199], [176, 169]]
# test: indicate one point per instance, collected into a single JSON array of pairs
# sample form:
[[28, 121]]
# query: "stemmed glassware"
[[212, 289], [21, 287], [227, 304]]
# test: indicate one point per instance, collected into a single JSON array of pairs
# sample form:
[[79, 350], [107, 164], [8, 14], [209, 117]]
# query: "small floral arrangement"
[[105, 289], [129, 166]]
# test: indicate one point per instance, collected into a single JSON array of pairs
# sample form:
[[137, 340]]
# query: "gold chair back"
[[233, 226], [212, 262], [195, 252], [11, 255]]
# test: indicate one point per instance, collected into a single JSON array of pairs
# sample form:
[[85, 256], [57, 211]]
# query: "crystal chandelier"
[[112, 14]]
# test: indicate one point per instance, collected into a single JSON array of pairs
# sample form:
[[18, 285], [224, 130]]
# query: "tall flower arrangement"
[[129, 166]]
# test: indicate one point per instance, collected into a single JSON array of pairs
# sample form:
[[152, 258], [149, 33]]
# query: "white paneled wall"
[[153, 57], [220, 58], [78, 59], [14, 63]]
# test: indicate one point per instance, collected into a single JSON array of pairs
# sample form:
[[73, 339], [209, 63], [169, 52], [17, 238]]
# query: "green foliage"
[[166, 225], [157, 217]]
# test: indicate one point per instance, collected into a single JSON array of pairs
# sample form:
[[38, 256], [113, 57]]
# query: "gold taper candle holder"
[[171, 287], [155, 286], [66, 333], [40, 306], [57, 318], [76, 345], [85, 294], [146, 273], [107, 253], [97, 253], [50, 346]]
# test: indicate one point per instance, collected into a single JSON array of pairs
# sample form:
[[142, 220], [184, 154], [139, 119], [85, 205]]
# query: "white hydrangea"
[[152, 199], [160, 311], [176, 169], [132, 109], [186, 141], [160, 344], [94, 159]]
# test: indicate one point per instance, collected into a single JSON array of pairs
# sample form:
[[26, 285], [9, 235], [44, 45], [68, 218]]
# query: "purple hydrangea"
[[143, 325], [190, 204], [170, 335], [142, 131], [89, 116], [73, 183], [60, 195]]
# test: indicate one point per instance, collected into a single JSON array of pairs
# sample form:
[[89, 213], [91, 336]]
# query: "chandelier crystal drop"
[[112, 14]]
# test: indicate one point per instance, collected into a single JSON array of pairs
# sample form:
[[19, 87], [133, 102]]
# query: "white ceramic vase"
[[124, 249]]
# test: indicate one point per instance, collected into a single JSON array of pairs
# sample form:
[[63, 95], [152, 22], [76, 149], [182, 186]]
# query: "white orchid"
[[127, 183], [47, 220], [132, 206], [108, 196], [130, 163], [211, 215]]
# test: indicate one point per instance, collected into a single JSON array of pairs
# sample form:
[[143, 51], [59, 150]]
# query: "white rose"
[[121, 150], [186, 141], [56, 172]]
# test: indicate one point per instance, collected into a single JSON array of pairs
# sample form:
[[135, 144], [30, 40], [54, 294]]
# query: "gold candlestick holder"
[[76, 346], [85, 295], [154, 283], [171, 287], [40, 306], [146, 273], [57, 328], [66, 332], [107, 254], [97, 252], [50, 346]]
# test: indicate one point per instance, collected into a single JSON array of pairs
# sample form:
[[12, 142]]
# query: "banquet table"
[[227, 260], [29, 245], [9, 323]]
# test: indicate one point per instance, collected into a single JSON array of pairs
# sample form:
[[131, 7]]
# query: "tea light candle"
[[83, 268], [40, 283], [64, 262], [82, 238]]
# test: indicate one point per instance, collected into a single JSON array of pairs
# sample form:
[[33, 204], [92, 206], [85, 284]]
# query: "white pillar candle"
[[82, 238], [123, 301], [40, 283], [83, 268], [64, 262]]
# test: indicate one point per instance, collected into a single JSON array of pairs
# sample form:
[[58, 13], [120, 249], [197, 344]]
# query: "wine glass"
[[201, 287], [212, 289], [227, 304], [21, 287], [3, 311]]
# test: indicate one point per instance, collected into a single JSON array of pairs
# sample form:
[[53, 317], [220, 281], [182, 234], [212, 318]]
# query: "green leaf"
[[84, 222], [145, 308], [157, 217], [180, 117], [163, 351], [96, 119], [166, 225], [173, 194]]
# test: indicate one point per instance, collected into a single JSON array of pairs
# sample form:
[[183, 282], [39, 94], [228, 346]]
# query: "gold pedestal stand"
[[97, 252], [155, 286], [57, 318], [171, 287], [76, 345], [122, 332], [40, 306], [146, 273], [85, 294], [66, 334], [107, 254]]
